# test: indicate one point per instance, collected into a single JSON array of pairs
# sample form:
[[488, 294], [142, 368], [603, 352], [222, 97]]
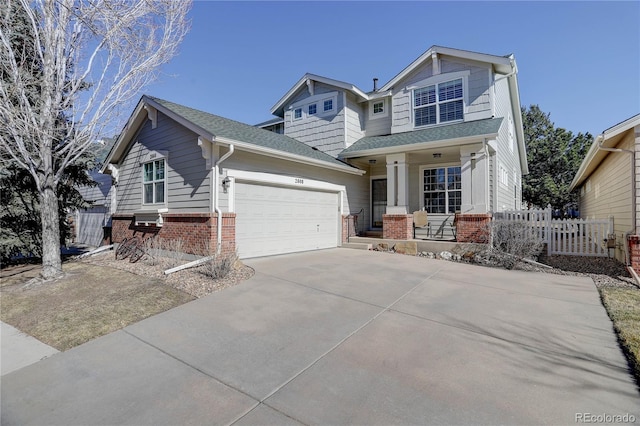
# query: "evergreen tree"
[[554, 156]]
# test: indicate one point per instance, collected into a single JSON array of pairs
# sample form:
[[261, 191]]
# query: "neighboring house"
[[92, 226], [609, 183], [90, 223], [444, 135]]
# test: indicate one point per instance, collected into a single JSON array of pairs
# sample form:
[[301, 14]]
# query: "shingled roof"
[[241, 132], [440, 133]]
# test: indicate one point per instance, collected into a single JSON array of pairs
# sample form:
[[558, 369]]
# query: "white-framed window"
[[297, 113], [503, 176], [439, 103], [378, 108], [327, 105], [312, 109], [153, 182], [442, 189], [323, 104]]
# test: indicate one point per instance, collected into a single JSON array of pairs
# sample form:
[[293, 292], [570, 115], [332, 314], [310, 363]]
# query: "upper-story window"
[[297, 113], [153, 181], [312, 109], [439, 103], [378, 107], [328, 105]]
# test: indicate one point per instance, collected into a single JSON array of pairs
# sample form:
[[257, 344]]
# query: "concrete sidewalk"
[[347, 337], [17, 350]]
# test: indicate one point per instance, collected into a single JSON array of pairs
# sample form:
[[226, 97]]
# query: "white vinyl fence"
[[576, 237]]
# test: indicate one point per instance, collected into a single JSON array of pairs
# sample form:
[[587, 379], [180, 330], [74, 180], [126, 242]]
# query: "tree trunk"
[[51, 260]]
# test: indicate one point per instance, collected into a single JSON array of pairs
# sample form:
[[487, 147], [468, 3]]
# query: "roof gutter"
[[419, 146], [291, 157]]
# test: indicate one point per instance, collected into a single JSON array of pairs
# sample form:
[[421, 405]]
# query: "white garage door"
[[274, 220]]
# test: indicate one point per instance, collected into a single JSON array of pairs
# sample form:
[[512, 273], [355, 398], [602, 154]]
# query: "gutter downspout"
[[216, 197], [632, 231]]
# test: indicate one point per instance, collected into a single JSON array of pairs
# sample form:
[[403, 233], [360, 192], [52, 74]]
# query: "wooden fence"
[[575, 237]]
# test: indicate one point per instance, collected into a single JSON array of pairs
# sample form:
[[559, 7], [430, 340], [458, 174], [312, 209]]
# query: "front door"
[[378, 201]]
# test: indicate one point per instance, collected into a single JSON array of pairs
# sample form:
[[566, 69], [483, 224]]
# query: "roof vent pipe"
[[375, 83]]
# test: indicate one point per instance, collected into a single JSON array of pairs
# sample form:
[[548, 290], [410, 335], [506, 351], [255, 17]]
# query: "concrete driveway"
[[347, 337]]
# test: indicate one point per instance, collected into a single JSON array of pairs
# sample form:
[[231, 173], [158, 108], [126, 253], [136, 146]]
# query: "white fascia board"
[[138, 117], [289, 156], [282, 180], [588, 159], [379, 95], [328, 81], [622, 127], [420, 146], [514, 93], [595, 156], [500, 62]]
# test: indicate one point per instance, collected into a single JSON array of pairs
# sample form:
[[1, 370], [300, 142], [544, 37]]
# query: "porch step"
[[358, 246]]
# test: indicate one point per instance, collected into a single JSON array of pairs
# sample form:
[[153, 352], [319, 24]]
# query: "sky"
[[579, 61]]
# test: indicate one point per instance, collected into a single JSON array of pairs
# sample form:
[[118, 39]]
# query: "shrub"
[[219, 266], [513, 241]]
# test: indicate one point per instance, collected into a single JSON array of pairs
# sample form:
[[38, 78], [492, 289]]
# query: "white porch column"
[[397, 184], [475, 179]]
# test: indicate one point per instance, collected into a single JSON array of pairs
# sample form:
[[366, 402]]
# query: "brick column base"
[[634, 252], [473, 228], [397, 226], [348, 227], [196, 232]]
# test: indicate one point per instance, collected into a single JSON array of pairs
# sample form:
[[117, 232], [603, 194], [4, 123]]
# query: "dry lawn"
[[623, 306], [90, 301]]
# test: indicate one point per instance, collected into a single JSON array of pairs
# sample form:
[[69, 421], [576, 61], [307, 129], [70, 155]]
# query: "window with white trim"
[[442, 189], [297, 113], [504, 175], [378, 107], [153, 182], [438, 103], [312, 109], [328, 105]]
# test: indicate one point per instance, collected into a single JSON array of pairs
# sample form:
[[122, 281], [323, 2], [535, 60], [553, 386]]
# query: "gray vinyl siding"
[[377, 126], [478, 93], [357, 187], [325, 132], [507, 198], [355, 120], [188, 181]]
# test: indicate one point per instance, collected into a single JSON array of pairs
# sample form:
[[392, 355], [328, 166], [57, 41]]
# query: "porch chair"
[[421, 221]]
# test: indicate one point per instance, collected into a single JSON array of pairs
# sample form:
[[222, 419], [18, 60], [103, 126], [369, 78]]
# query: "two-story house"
[[443, 136]]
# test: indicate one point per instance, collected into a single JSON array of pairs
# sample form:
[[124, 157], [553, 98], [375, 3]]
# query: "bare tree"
[[86, 60]]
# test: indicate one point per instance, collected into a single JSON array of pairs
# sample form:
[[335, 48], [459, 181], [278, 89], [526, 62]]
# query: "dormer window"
[[378, 109], [312, 109], [438, 103], [328, 105], [297, 113]]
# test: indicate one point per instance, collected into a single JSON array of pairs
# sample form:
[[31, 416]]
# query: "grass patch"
[[623, 307], [90, 301]]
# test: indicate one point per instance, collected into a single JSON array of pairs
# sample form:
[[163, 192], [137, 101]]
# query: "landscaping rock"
[[409, 248], [382, 247], [446, 255]]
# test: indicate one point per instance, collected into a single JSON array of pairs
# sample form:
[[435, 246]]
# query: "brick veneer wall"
[[634, 252], [197, 231], [473, 228], [397, 226], [348, 227]]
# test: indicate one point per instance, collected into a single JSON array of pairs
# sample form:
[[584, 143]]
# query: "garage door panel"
[[274, 220]]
